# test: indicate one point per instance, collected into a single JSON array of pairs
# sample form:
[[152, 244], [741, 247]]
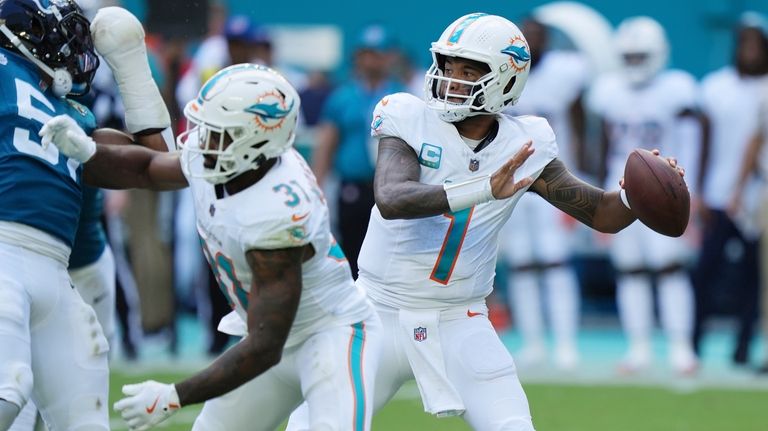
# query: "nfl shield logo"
[[212, 210], [419, 334], [474, 165]]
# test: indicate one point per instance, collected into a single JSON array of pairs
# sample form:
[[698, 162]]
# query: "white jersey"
[[448, 259], [282, 210], [552, 87], [732, 104], [640, 117]]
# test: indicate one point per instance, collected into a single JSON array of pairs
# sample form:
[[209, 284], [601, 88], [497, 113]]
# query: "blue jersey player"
[[53, 349]]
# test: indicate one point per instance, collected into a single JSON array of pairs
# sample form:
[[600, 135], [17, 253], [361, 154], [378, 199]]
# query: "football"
[[657, 193]]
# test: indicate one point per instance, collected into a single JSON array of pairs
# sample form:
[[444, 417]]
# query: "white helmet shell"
[[252, 105], [644, 37], [488, 39]]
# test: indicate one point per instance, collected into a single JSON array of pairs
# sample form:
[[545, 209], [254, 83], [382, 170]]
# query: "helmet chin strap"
[[62, 79]]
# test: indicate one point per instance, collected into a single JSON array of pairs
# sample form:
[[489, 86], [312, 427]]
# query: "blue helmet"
[[54, 33]]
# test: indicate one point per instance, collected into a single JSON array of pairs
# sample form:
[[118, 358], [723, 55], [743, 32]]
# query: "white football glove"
[[119, 38], [71, 140], [147, 404]]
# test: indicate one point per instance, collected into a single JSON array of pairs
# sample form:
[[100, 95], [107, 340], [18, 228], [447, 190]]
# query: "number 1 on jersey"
[[454, 238]]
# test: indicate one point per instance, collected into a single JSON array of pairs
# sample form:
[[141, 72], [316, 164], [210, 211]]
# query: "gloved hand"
[[147, 404], [71, 140]]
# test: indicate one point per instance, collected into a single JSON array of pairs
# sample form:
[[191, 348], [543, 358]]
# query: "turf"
[[560, 408]]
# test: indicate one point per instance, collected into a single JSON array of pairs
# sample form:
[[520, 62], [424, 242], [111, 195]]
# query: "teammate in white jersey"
[[308, 332], [449, 172], [537, 240], [641, 107]]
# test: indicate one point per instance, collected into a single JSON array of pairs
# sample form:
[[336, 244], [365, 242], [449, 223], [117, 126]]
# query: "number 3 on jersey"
[[454, 238]]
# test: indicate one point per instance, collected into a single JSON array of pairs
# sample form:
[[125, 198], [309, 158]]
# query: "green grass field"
[[560, 408]]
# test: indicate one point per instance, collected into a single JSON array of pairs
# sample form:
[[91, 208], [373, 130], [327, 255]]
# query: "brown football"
[[657, 193]]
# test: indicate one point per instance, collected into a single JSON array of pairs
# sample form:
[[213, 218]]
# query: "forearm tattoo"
[[571, 195]]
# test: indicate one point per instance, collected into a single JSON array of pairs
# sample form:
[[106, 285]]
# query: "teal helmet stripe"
[[459, 30], [215, 78]]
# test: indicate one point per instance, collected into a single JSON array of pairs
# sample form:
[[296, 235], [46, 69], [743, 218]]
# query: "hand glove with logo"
[[147, 404], [64, 132]]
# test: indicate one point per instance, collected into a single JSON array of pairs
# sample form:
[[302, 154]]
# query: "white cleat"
[[683, 361], [566, 358], [532, 355], [637, 360]]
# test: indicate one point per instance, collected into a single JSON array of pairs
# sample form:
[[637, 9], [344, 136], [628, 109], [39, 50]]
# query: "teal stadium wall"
[[699, 30]]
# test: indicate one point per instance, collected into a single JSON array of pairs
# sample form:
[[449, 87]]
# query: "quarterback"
[[450, 170]]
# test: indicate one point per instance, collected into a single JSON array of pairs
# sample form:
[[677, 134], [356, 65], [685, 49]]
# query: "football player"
[[730, 98], [449, 172], [54, 351], [536, 241], [641, 106], [308, 332]]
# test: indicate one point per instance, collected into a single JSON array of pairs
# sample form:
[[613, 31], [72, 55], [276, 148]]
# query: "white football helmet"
[[642, 44], [489, 39], [252, 105]]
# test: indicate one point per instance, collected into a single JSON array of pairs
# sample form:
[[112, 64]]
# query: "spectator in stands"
[[344, 145]]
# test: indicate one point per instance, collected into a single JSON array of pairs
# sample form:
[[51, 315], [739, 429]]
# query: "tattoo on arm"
[[399, 194], [273, 301], [573, 196]]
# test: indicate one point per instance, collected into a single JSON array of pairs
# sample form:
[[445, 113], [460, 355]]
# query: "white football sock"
[[563, 304], [635, 302], [526, 305]]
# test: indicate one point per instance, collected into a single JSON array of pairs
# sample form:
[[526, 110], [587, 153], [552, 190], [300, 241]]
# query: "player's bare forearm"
[[399, 194], [132, 166], [596, 208], [153, 140], [273, 302]]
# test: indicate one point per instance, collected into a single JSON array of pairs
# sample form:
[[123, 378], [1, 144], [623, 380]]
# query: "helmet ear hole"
[[510, 84]]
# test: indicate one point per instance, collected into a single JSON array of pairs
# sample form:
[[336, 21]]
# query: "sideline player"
[[641, 106], [536, 241], [308, 333]]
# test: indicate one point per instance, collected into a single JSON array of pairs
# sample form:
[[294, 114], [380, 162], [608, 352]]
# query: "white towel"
[[422, 347]]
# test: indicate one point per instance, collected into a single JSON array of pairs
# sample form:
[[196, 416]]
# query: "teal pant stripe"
[[356, 345]]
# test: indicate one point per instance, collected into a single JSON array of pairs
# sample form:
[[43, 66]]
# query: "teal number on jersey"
[[454, 238], [231, 287], [293, 198]]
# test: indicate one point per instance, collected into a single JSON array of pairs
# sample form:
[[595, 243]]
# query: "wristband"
[[468, 193], [623, 196]]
